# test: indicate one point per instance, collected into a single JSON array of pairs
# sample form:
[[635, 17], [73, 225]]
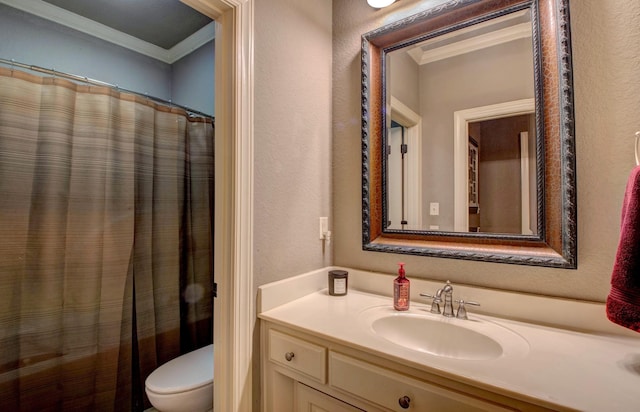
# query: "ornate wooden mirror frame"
[[555, 244]]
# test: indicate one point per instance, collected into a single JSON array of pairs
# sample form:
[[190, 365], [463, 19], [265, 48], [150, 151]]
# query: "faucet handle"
[[462, 311], [435, 305]]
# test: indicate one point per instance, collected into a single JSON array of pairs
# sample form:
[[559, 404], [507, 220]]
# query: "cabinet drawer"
[[387, 388], [299, 355], [309, 399]]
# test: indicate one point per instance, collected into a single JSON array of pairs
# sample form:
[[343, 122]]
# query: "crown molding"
[[480, 41], [193, 42], [494, 38], [74, 21]]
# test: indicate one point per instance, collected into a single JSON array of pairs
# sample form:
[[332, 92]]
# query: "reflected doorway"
[[404, 168], [500, 176], [468, 125]]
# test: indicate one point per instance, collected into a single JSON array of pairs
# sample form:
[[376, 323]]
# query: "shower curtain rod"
[[94, 82]]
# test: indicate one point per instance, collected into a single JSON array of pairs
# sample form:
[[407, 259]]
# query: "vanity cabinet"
[[301, 372]]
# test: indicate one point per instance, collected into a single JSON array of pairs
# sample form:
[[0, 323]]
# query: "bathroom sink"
[[419, 330]]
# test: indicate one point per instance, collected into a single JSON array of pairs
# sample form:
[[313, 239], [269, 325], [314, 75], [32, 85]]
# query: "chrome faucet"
[[437, 300], [448, 299], [462, 311], [447, 289]]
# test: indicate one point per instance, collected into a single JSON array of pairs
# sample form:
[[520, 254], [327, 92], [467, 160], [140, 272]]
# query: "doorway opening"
[[475, 182]]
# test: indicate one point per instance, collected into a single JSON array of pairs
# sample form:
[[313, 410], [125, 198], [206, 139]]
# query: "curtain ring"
[[172, 106]]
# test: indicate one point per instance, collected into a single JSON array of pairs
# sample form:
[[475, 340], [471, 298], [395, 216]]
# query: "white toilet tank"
[[184, 384]]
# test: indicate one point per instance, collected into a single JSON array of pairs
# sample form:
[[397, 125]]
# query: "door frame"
[[234, 308], [412, 121]]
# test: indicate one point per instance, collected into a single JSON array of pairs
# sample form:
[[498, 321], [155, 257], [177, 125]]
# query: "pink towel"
[[623, 302]]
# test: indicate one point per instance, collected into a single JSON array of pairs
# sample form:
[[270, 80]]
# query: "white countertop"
[[582, 371]]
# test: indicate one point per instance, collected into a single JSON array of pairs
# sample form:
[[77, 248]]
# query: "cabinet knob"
[[404, 402], [289, 356]]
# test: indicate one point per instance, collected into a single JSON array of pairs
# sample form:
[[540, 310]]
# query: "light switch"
[[434, 208], [324, 227]]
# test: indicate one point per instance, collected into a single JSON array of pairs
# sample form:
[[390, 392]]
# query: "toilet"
[[184, 384]]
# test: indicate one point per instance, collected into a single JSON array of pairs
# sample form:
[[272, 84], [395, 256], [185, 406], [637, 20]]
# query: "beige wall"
[[403, 79], [292, 142], [606, 36], [292, 136]]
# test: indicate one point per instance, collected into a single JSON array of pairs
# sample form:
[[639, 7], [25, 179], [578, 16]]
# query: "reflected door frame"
[[525, 197], [412, 122], [461, 120]]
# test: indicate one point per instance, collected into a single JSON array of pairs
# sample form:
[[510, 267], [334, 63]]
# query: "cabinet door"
[[311, 400]]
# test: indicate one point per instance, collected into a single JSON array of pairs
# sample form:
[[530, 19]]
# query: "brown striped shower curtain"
[[106, 212]]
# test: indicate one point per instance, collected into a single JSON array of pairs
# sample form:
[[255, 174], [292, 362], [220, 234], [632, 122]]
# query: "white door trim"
[[412, 121], [461, 121], [525, 196], [234, 308]]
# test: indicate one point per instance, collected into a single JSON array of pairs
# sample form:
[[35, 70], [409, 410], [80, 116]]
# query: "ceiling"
[[164, 23], [166, 30]]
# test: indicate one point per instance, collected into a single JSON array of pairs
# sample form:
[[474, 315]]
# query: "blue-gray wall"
[[192, 80], [36, 41]]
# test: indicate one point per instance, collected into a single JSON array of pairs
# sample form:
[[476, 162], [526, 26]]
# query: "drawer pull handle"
[[289, 356], [404, 402]]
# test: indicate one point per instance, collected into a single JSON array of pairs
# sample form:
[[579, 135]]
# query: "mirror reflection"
[[461, 131]]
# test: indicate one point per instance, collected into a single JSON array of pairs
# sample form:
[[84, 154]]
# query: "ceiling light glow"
[[378, 4]]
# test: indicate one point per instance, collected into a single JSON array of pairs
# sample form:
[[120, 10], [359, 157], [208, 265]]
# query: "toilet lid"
[[187, 372]]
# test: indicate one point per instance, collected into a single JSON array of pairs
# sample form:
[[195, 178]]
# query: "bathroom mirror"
[[467, 138]]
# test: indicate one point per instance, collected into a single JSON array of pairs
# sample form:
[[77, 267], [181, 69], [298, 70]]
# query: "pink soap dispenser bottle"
[[401, 290]]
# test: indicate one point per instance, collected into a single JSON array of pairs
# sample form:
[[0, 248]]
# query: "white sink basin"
[[420, 330]]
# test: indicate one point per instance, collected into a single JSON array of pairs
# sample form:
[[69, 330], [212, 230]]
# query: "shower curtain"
[[106, 211]]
